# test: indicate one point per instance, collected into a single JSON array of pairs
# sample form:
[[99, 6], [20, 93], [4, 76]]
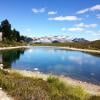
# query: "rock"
[[1, 66]]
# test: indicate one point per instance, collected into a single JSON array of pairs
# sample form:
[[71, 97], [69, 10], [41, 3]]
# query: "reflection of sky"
[[72, 63], [79, 59]]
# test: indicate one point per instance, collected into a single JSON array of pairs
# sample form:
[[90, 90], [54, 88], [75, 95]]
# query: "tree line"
[[9, 34]]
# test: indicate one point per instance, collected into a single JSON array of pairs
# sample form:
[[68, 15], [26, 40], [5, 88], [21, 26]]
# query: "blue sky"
[[73, 18]]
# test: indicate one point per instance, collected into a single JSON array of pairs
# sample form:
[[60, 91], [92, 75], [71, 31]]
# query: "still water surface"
[[75, 64]]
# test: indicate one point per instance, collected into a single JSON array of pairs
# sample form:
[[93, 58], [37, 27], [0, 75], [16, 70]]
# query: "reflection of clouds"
[[76, 59], [87, 56], [72, 59], [89, 61], [93, 62], [51, 51], [64, 56], [60, 68], [29, 54], [92, 74], [80, 59], [46, 50], [30, 50]]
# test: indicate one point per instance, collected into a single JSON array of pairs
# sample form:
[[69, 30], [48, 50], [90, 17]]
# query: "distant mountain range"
[[79, 40], [57, 39]]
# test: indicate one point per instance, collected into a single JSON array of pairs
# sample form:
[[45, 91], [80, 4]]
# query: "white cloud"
[[52, 12], [63, 18], [96, 7], [77, 59], [82, 11], [93, 8], [75, 29], [41, 10], [82, 25]]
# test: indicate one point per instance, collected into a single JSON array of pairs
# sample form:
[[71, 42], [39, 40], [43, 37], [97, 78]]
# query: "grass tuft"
[[27, 88]]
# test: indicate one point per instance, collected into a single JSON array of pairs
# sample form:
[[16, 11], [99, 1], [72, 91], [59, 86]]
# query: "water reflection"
[[7, 57], [76, 64]]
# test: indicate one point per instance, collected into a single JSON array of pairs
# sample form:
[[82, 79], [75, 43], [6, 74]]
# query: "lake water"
[[75, 64]]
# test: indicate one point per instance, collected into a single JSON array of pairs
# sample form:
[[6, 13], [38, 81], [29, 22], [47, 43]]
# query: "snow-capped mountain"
[[53, 39]]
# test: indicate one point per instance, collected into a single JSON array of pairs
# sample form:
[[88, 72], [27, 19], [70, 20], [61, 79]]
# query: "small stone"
[[1, 67]]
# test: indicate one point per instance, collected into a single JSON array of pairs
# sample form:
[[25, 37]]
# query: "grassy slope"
[[25, 88], [95, 45], [12, 44]]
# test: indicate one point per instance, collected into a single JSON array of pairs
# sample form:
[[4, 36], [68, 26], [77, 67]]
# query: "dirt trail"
[[4, 96]]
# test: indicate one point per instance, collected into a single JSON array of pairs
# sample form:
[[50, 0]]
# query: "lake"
[[75, 64]]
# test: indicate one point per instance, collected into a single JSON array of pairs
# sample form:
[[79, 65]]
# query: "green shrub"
[[61, 90]]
